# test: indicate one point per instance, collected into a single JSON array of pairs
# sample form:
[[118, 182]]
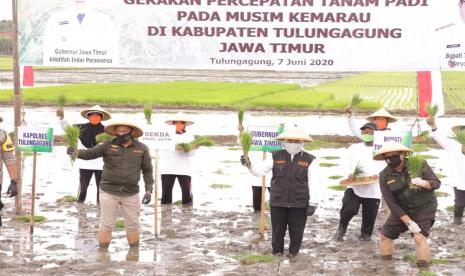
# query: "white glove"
[[413, 227], [419, 182]]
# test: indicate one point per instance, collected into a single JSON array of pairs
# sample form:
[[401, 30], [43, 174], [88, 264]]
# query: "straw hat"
[[382, 113], [136, 131], [454, 128], [294, 133], [390, 147], [96, 109], [180, 117]]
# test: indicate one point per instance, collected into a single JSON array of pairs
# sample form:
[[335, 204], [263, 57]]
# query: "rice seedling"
[[103, 137], [252, 258], [459, 136], [327, 165], [201, 141], [219, 186], [356, 100], [432, 110], [148, 113], [27, 219], [119, 224], [246, 142], [358, 172], [415, 165], [67, 198], [337, 187], [61, 101], [240, 117], [71, 140]]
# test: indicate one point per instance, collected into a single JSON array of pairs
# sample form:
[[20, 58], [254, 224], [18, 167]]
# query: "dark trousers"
[[459, 202], [281, 219], [350, 206], [257, 197], [167, 183], [84, 179]]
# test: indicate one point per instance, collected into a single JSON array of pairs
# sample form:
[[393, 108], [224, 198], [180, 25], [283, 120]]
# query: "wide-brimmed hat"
[[382, 113], [179, 117], [454, 128], [294, 133], [390, 147], [96, 109], [136, 130]]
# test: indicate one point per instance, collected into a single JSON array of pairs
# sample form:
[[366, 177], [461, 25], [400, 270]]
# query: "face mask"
[[393, 161], [94, 119], [293, 148], [367, 138], [381, 123], [123, 138], [180, 127]]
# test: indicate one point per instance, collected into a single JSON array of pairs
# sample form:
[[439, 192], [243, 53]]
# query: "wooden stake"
[[33, 193], [262, 210], [17, 105], [155, 197]]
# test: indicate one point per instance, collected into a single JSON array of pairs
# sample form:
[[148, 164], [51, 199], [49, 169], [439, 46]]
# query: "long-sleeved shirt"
[[263, 167], [362, 155], [122, 166], [456, 156], [177, 162]]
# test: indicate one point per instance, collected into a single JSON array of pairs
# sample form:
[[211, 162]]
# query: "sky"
[[5, 9]]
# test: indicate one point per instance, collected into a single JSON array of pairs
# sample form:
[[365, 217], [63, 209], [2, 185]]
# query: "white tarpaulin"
[[294, 35]]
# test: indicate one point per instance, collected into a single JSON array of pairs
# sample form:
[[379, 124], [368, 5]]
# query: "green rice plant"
[[71, 140], [337, 187], [330, 157], [415, 165], [335, 177], [61, 100], [252, 258], [103, 137], [218, 186], [432, 110], [416, 147], [459, 136], [66, 198], [412, 258], [358, 172], [327, 165], [240, 118], [423, 134], [148, 113], [356, 100], [27, 219], [246, 142], [178, 203], [119, 224], [201, 141]]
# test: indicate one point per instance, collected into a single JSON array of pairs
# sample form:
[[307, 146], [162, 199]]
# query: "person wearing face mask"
[[412, 201], [457, 156], [382, 118], [124, 158], [368, 195], [176, 164], [293, 174], [88, 168]]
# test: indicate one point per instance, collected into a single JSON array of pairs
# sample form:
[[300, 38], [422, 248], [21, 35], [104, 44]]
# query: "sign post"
[[264, 139], [34, 139], [158, 138]]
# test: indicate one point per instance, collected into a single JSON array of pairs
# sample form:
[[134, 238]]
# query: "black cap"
[[371, 125]]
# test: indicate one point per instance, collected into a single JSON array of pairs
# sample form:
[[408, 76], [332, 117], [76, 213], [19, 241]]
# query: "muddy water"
[[205, 238]]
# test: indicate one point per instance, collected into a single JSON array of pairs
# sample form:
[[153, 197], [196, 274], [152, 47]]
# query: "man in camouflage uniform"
[[7, 154]]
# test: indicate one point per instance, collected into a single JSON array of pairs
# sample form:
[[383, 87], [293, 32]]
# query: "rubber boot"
[[104, 238], [133, 239], [341, 231], [457, 220]]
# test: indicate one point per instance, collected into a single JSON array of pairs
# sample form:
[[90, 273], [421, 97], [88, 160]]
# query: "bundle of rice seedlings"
[[358, 172], [246, 142], [61, 102], [459, 136], [148, 113], [240, 117], [432, 110], [71, 140], [423, 134], [103, 137], [201, 141], [415, 163], [356, 100]]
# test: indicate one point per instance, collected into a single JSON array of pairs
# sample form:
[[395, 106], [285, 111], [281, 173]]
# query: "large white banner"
[[295, 35]]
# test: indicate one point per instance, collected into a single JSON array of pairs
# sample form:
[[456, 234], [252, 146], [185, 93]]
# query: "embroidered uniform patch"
[[303, 163], [391, 181], [280, 161]]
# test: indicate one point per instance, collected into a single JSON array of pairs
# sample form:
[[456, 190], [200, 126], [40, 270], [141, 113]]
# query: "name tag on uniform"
[[303, 163], [137, 151], [453, 46], [280, 161]]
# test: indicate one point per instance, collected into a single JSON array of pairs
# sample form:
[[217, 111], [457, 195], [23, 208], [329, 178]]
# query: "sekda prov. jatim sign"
[[264, 138], [159, 137], [35, 139]]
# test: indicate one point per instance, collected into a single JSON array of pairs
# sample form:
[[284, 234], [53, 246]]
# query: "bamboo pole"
[[155, 197], [17, 105], [33, 193], [263, 205]]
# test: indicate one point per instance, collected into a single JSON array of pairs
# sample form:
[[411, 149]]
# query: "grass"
[[330, 157], [440, 194], [6, 63], [337, 187], [335, 177], [252, 258], [28, 218], [219, 186], [327, 165], [119, 224], [67, 198], [412, 258], [319, 144]]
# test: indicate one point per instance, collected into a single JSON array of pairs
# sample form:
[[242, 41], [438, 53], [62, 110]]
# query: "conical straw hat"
[[294, 133], [96, 109], [454, 128], [136, 130], [390, 147], [180, 117], [382, 113]]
